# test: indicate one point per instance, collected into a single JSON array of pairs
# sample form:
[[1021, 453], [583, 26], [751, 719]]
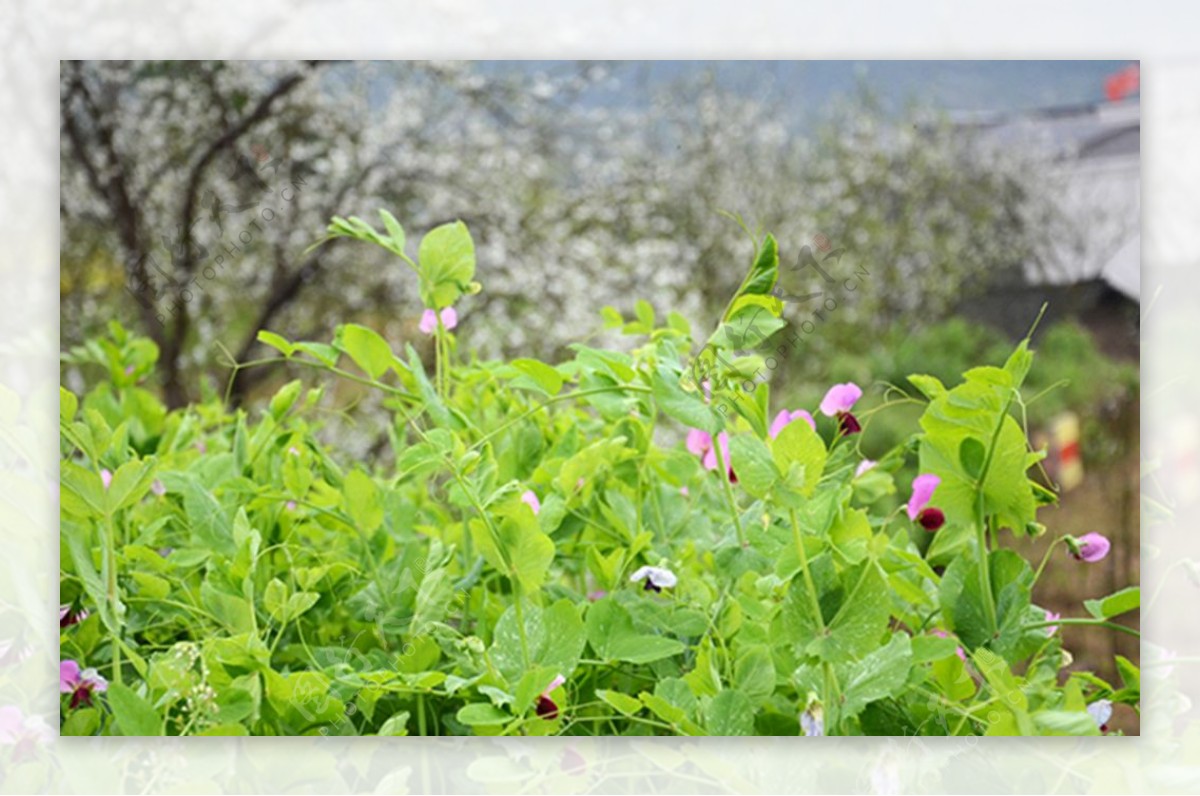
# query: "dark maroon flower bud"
[[848, 423], [546, 709], [931, 518]]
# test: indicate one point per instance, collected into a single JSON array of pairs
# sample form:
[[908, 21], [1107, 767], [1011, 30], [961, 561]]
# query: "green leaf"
[[1065, 722], [322, 352], [752, 462], [754, 674], [749, 324], [930, 386], [730, 713], [861, 620], [285, 399], [85, 721], [68, 404], [130, 483], [765, 271], [397, 724], [554, 638], [978, 408], [363, 501], [133, 714], [537, 376], [855, 606], [482, 714], [368, 350], [300, 602], [278, 342], [688, 408], [880, 674], [611, 633], [210, 525], [645, 314], [224, 730], [1127, 599], [394, 230], [623, 703], [798, 446], [971, 455], [234, 612], [932, 648], [446, 264]]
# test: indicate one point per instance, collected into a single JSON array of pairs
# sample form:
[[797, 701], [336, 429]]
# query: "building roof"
[[1092, 156]]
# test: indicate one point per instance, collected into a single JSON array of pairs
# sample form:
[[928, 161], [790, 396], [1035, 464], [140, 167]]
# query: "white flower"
[[812, 720], [656, 578], [1101, 712]]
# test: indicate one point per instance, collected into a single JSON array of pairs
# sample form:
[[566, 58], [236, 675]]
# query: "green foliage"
[[245, 576]]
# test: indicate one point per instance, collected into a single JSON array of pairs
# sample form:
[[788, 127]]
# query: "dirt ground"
[[1106, 502]]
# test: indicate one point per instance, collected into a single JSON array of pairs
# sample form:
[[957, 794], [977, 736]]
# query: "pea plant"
[[628, 542]]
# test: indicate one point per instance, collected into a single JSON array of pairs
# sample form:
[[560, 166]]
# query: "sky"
[[810, 86]]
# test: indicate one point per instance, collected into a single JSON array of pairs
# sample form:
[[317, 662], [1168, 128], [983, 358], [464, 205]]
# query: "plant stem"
[[564, 397], [112, 593], [814, 601], [984, 568], [723, 473], [832, 691], [1045, 560], [1095, 622], [981, 530]]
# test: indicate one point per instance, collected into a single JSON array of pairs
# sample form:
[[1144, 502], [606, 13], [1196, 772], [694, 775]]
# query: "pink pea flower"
[[545, 706], [783, 418], [596, 594], [530, 499], [928, 517], [683, 490], [106, 478], [79, 684], [71, 615], [838, 402], [158, 488], [1091, 547], [700, 443], [864, 466], [429, 320], [290, 505], [1052, 617], [657, 578]]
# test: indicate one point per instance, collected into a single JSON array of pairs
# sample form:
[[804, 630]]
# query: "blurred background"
[[959, 196]]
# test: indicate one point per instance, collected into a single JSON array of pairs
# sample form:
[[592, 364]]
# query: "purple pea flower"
[[79, 684], [838, 402], [1091, 547], [429, 320], [928, 517]]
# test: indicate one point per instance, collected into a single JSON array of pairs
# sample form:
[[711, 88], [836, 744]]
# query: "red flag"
[[1121, 84]]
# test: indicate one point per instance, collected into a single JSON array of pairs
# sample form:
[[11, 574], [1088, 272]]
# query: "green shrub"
[[531, 561]]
